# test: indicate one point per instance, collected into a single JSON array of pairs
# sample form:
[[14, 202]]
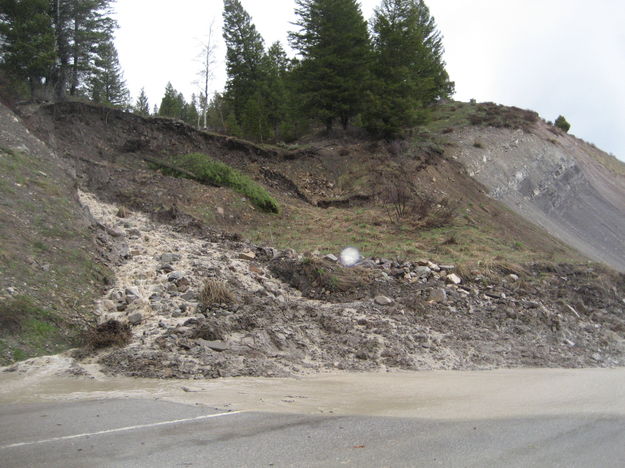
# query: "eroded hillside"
[[333, 192], [459, 281]]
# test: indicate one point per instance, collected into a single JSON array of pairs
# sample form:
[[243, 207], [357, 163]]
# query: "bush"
[[562, 124], [208, 171]]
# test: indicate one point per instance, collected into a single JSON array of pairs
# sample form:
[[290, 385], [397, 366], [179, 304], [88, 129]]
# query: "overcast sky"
[[553, 56]]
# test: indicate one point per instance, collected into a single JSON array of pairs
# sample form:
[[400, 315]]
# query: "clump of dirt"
[[108, 334]]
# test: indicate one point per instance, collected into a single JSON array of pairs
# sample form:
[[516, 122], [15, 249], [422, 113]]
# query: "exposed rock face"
[[554, 180]]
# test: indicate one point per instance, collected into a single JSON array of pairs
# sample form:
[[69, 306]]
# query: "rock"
[[247, 255], [134, 233], [513, 277], [423, 272], [367, 264], [183, 285], [454, 279], [169, 258], [132, 291], [135, 318], [218, 346], [114, 232], [434, 267], [383, 300], [11, 291], [331, 257], [166, 268], [438, 295], [174, 277], [447, 267], [189, 296]]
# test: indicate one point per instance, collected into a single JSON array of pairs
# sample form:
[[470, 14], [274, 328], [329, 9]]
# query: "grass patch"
[[215, 292], [208, 171], [29, 330]]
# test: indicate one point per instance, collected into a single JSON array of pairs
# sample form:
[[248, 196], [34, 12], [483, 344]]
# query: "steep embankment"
[[50, 268], [570, 188]]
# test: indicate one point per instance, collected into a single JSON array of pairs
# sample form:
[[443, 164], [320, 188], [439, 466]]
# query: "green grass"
[[209, 171], [29, 330]]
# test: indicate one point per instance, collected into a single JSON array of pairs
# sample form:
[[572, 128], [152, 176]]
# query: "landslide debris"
[[404, 315]]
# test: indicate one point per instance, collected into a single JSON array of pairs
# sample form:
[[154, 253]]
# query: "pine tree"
[[172, 104], [142, 106], [27, 41], [409, 71], [106, 84], [276, 69], [190, 112], [244, 57], [333, 42], [81, 27], [90, 26]]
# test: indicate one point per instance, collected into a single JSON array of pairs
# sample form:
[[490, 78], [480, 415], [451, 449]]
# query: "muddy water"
[[436, 395]]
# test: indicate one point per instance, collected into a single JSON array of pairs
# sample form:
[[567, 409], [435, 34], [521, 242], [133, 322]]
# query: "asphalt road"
[[149, 433]]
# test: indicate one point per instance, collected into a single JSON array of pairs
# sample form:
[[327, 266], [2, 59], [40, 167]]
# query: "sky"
[[552, 56]]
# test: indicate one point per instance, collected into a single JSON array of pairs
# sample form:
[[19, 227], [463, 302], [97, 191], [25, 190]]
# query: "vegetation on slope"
[[208, 171], [49, 273]]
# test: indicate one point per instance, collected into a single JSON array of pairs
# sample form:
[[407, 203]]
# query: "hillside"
[[458, 280], [572, 189], [51, 268]]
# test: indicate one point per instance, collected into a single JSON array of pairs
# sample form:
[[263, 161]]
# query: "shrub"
[[562, 124], [215, 292], [208, 171]]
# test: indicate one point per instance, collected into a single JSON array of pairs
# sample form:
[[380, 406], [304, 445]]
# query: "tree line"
[[382, 77], [52, 49]]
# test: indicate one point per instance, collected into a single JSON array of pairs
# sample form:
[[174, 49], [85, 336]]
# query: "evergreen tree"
[[142, 106], [333, 42], [409, 71], [106, 84], [276, 68], [190, 112], [26, 41], [171, 105], [90, 26], [244, 58], [80, 26]]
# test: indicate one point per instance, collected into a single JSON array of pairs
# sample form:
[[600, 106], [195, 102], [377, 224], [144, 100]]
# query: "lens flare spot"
[[350, 256]]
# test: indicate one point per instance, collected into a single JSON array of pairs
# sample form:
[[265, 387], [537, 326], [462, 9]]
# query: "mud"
[[428, 395]]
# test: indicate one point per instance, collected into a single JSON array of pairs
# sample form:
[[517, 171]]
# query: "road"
[[505, 418]]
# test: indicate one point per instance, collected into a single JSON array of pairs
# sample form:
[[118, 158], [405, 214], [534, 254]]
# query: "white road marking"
[[121, 429]]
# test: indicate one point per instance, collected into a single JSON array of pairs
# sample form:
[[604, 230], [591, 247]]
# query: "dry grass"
[[490, 269], [215, 292]]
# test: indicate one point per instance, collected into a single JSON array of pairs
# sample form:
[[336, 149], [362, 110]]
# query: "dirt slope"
[[570, 188]]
